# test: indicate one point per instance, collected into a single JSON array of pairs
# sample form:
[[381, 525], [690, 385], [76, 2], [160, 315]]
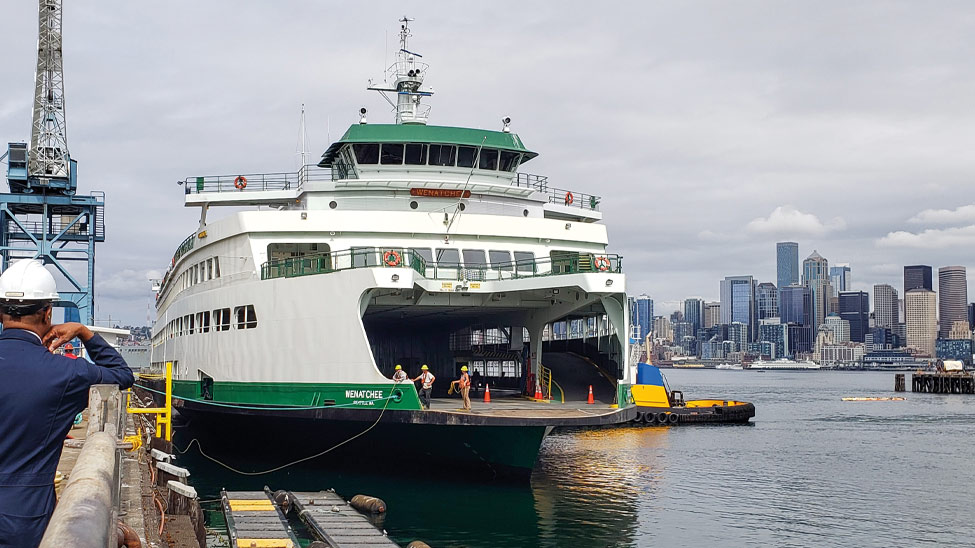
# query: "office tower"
[[920, 313], [839, 327], [800, 339], [885, 313], [952, 298], [854, 307], [815, 276], [694, 313], [682, 330], [768, 300], [971, 314], [712, 314], [786, 264], [662, 328], [839, 277], [778, 335], [794, 304], [738, 302], [643, 319], [917, 277], [738, 333]]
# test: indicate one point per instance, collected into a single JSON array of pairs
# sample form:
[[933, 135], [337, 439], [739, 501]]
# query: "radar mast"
[[405, 78]]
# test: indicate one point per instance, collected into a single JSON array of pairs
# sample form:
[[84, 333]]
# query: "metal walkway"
[[255, 521], [334, 521]]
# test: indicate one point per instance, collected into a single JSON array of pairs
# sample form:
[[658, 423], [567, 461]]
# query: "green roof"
[[413, 133]]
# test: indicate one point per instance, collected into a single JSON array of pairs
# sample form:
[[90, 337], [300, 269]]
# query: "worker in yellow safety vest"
[[464, 384], [426, 387]]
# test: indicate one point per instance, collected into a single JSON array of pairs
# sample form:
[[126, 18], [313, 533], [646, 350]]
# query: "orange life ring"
[[240, 182], [569, 198], [602, 264], [391, 258]]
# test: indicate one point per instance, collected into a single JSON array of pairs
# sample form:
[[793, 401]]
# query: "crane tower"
[[42, 217]]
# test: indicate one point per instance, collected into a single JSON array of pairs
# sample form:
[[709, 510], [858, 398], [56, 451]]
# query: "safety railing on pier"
[[556, 195], [259, 182], [323, 263]]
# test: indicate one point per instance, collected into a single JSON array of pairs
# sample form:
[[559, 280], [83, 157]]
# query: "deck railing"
[[258, 182], [323, 263], [556, 195]]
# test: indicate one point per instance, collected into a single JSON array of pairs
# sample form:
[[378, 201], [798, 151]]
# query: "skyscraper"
[[855, 308], [839, 277], [768, 300], [694, 314], [839, 327], [794, 305], [885, 309], [921, 319], [815, 276], [644, 316], [952, 298], [738, 303], [917, 277], [786, 264], [712, 315]]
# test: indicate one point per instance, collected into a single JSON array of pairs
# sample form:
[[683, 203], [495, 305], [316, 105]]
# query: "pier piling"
[[943, 382], [899, 384]]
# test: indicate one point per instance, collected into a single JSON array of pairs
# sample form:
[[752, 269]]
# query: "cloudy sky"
[[711, 129]]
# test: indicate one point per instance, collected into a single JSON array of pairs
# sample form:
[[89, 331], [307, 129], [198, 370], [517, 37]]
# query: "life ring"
[[240, 183], [391, 258], [569, 198], [602, 264]]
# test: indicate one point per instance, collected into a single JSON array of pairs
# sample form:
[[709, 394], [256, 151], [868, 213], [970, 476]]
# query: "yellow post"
[[164, 415]]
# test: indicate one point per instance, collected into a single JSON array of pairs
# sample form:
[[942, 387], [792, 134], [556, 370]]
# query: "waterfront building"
[[854, 307], [960, 330], [776, 334], [643, 316], [688, 345], [712, 314], [738, 303], [764, 349], [663, 330], [838, 327], [794, 304], [954, 349], [887, 357], [694, 313], [839, 277], [885, 313], [768, 300], [920, 312], [713, 350], [917, 277], [880, 338], [786, 264], [738, 334], [841, 353], [681, 330], [952, 298], [799, 339], [815, 276]]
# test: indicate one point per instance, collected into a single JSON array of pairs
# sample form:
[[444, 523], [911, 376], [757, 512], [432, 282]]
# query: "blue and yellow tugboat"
[[658, 405]]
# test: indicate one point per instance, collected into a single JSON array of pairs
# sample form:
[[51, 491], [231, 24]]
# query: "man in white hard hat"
[[40, 394]]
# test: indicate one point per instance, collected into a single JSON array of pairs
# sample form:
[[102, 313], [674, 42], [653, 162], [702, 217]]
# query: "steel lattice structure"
[[49, 138]]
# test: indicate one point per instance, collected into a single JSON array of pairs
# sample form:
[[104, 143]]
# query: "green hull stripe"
[[366, 396]]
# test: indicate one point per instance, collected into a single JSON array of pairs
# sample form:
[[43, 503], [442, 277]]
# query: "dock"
[[332, 520], [944, 382], [254, 520]]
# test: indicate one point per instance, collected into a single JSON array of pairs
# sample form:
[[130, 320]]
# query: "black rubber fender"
[[661, 418], [649, 418], [639, 417], [367, 504], [673, 418]]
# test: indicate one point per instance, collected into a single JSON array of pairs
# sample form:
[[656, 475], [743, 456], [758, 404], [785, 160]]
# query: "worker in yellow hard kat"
[[464, 385], [400, 375], [426, 386]]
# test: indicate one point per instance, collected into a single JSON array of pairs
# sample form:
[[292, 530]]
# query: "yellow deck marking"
[[251, 505], [264, 543]]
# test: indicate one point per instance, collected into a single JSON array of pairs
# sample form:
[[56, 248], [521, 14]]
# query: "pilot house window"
[[416, 154], [442, 155], [392, 154], [366, 153]]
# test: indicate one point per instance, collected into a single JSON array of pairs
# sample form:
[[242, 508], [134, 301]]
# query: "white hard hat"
[[26, 282]]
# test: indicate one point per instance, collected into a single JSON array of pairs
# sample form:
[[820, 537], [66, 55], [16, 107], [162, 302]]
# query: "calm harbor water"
[[811, 470]]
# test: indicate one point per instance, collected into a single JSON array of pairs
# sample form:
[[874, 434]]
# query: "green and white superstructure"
[[404, 244]]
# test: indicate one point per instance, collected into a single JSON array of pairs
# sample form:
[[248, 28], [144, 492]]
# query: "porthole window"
[[462, 206], [414, 205], [525, 213], [333, 204]]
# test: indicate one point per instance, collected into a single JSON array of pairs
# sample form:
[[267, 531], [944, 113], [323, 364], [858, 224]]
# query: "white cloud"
[[963, 214], [931, 238], [789, 220]]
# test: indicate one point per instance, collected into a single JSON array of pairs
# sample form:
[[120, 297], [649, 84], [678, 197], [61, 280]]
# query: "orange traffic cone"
[[538, 392], [487, 393], [590, 400]]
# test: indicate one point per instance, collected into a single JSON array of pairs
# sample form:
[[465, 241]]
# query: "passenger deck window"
[[221, 319], [474, 258], [203, 321], [525, 261], [424, 253], [501, 260], [442, 155], [246, 317], [509, 160], [416, 154], [209, 269], [489, 159], [366, 153], [465, 156], [216, 267], [392, 154], [448, 257], [364, 256], [189, 321]]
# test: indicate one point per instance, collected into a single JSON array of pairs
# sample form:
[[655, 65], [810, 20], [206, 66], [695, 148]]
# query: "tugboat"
[[658, 405]]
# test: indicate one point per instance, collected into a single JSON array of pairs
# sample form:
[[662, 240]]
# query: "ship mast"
[[405, 78]]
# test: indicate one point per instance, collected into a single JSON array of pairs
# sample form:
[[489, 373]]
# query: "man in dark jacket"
[[40, 394]]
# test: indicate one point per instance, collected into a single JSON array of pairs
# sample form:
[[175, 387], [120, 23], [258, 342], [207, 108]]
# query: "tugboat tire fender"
[[639, 417], [673, 418], [662, 417]]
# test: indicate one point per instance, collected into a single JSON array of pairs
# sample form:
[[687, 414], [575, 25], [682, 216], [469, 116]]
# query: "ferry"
[[407, 244], [784, 364]]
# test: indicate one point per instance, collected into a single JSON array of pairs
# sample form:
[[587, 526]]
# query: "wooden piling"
[[899, 382], [954, 382]]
